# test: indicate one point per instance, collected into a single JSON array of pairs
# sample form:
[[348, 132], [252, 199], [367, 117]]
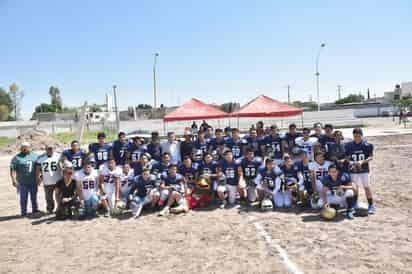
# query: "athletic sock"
[[370, 201], [349, 201], [355, 199]]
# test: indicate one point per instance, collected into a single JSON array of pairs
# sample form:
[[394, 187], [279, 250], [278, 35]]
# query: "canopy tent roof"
[[194, 110], [264, 106]]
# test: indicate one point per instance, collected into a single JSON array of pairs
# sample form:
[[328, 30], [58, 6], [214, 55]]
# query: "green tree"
[[16, 96], [56, 100], [6, 104], [144, 106], [4, 113], [95, 108], [305, 105], [351, 98], [403, 103]]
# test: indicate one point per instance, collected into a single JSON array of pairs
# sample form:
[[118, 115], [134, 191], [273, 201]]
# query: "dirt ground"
[[221, 241]]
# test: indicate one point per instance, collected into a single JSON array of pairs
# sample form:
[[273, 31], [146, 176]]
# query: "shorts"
[[111, 199], [283, 199], [230, 190], [251, 193], [336, 199], [360, 179]]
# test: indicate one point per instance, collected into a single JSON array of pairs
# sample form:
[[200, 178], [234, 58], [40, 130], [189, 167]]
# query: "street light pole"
[[116, 108], [317, 73], [154, 81]]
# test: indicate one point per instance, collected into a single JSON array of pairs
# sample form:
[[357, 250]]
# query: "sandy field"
[[222, 241]]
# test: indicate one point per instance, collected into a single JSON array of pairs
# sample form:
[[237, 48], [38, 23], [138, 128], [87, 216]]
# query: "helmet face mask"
[[266, 205]]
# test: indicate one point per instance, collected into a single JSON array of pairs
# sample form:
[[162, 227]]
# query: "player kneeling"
[[87, 181], [143, 192], [337, 190], [266, 181], [172, 189], [109, 178]]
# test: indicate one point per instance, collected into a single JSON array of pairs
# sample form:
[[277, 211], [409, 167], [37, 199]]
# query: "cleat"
[[371, 209], [349, 215]]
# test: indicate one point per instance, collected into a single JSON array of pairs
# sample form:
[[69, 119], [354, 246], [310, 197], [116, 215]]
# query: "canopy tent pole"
[[301, 116], [164, 128], [238, 123]]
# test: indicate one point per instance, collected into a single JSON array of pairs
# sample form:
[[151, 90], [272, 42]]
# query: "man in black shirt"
[[66, 192]]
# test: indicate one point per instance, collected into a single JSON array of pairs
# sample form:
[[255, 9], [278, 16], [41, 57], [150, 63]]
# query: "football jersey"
[[326, 141], [290, 172], [199, 149], [120, 152], [250, 168], [141, 187], [24, 165], [304, 169], [215, 143], [159, 168], [154, 151], [236, 147], [109, 177], [342, 179], [207, 169], [254, 144], [320, 170], [126, 181], [88, 182], [273, 146], [188, 172], [136, 151], [230, 171], [290, 140], [359, 152], [267, 177], [76, 158], [49, 167], [306, 146], [101, 153]]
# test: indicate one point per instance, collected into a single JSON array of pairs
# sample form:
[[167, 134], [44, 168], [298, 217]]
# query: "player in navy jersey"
[[288, 141], [236, 144], [317, 128], [337, 190], [189, 171], [143, 163], [200, 147], [153, 148], [135, 150], [268, 181], [144, 191], [229, 169], [254, 142], [292, 182], [359, 153], [217, 144], [172, 190], [100, 150], [304, 168], [208, 166], [162, 166], [248, 172], [273, 145], [336, 152], [327, 140], [120, 148], [75, 155]]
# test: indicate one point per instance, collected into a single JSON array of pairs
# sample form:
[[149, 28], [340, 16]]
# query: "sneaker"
[[349, 214], [356, 205], [222, 205], [371, 209], [106, 214], [165, 211]]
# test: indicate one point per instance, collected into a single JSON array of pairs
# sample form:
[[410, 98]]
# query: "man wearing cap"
[[23, 177], [48, 172], [66, 192], [172, 146]]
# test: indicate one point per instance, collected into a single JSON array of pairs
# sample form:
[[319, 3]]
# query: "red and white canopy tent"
[[194, 110], [264, 106]]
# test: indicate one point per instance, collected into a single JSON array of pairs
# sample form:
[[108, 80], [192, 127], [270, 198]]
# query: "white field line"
[[292, 267]]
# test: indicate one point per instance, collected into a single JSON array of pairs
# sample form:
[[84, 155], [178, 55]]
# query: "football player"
[[126, 181], [153, 148], [254, 142], [304, 167], [248, 172], [288, 141], [336, 151], [75, 155], [229, 169], [319, 169], [359, 152], [267, 180], [236, 144], [337, 190], [172, 190], [317, 128], [305, 143], [328, 139], [100, 150], [292, 182], [48, 171], [189, 171], [109, 182], [143, 163], [159, 168], [135, 150], [217, 144], [87, 186], [273, 145], [200, 147], [143, 192], [120, 149]]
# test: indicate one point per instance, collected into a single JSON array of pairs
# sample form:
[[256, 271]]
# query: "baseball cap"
[[67, 164], [25, 144]]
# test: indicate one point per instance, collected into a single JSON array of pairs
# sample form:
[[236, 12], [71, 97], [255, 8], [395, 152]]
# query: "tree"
[[16, 96], [4, 113], [95, 108], [351, 98], [403, 103], [6, 104], [143, 106], [56, 100], [306, 105]]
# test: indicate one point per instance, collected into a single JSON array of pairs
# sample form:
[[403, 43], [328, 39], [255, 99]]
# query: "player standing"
[[75, 155], [120, 147], [100, 150]]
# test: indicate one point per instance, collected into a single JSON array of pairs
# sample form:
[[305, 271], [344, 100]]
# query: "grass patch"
[[4, 141], [88, 137]]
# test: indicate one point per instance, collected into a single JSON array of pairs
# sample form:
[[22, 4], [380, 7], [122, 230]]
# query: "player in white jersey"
[[48, 171], [109, 184], [126, 181], [306, 143], [319, 169], [87, 186]]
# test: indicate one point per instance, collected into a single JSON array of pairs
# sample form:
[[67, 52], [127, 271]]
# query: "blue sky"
[[217, 51]]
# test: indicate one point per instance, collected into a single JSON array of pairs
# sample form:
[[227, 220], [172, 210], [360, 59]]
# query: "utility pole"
[[154, 81], [116, 109], [288, 94], [317, 74], [339, 92]]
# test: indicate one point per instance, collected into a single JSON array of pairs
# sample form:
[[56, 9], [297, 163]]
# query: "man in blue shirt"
[[229, 169], [359, 153], [144, 191], [75, 155], [172, 188], [23, 177], [100, 150], [120, 148]]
